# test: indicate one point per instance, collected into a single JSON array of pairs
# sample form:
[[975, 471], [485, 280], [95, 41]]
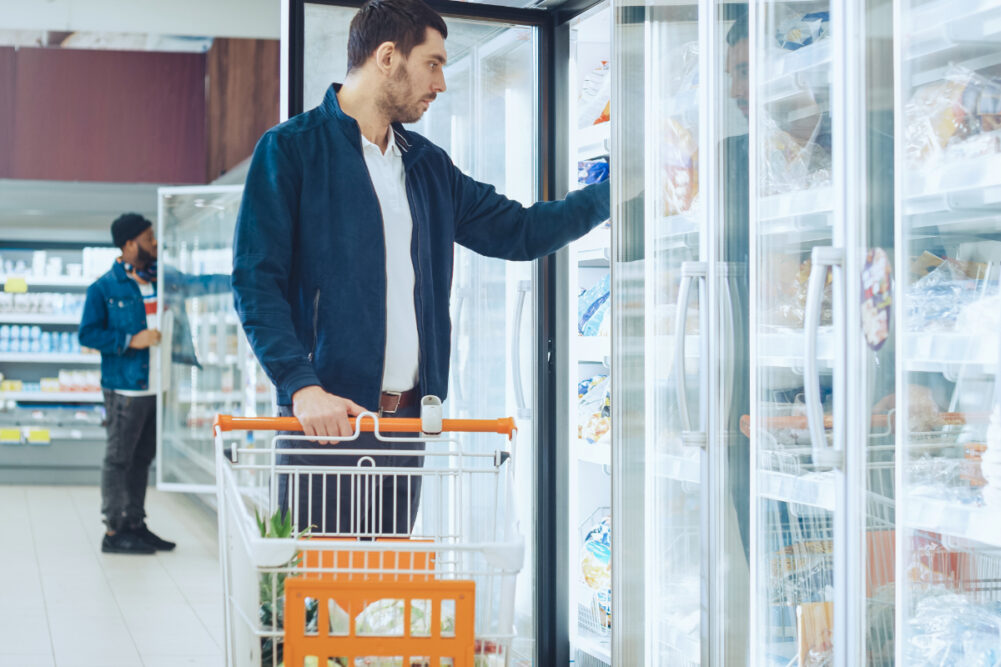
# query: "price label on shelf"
[[10, 436], [39, 436], [16, 285]]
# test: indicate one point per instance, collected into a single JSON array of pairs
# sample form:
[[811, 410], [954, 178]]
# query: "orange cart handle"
[[504, 425]]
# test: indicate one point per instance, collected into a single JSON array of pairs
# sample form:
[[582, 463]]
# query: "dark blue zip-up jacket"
[[309, 258]]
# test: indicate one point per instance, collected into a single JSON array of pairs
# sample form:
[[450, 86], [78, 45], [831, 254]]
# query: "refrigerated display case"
[[948, 407], [206, 365], [587, 431]]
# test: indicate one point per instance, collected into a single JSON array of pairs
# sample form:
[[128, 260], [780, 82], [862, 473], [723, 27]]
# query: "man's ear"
[[384, 57]]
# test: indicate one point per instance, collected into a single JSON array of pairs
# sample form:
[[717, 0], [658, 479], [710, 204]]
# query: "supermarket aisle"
[[65, 604]]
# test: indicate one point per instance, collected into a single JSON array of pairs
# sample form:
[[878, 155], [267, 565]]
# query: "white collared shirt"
[[389, 180]]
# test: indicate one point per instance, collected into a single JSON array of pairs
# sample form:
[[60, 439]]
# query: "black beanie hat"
[[128, 226]]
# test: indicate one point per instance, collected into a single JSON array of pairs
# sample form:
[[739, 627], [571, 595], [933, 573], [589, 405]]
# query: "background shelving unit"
[[51, 404]]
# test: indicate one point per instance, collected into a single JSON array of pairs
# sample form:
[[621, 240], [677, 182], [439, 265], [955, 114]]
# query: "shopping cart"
[[335, 595]]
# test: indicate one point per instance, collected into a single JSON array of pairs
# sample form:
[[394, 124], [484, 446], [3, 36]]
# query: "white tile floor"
[[63, 603]]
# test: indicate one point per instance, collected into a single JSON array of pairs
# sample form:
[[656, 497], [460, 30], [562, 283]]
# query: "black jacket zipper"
[[316, 324]]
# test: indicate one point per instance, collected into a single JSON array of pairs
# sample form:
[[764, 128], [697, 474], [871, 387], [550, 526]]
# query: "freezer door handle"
[[524, 287], [822, 259], [689, 271]]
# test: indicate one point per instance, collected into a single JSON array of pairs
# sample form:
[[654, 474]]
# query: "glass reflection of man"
[[734, 156]]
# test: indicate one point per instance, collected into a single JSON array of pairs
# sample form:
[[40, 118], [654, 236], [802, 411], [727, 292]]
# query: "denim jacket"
[[114, 312], [309, 260]]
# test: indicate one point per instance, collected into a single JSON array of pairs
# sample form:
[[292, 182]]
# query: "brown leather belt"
[[392, 402]]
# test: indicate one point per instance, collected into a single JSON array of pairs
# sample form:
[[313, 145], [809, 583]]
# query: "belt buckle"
[[385, 410]]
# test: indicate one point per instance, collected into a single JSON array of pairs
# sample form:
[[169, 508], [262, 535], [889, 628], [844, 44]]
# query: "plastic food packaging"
[[792, 165], [951, 629], [680, 151], [955, 118], [592, 171], [936, 300], [596, 567], [592, 308], [594, 409], [595, 96], [786, 294], [796, 32]]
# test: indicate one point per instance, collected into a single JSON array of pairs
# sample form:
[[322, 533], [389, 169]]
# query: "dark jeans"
[[130, 451], [352, 504]]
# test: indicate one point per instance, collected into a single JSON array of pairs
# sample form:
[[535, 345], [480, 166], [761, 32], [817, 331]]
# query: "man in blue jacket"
[[344, 247], [119, 321]]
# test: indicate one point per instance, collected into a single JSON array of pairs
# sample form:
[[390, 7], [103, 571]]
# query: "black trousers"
[[127, 458], [359, 504]]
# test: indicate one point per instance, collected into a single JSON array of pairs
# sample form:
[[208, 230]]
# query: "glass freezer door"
[[206, 366], [797, 279], [948, 272], [679, 364]]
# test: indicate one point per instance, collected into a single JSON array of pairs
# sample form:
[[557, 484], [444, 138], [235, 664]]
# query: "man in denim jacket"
[[344, 247], [118, 320]]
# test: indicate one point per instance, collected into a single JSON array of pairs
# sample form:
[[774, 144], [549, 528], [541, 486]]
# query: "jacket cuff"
[[299, 380], [125, 344]]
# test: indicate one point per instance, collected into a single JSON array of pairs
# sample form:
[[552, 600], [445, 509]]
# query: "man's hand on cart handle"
[[322, 413]]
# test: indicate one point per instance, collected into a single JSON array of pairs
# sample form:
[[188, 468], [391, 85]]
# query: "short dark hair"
[[403, 22], [738, 30]]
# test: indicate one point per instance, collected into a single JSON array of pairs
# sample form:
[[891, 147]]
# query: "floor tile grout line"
[[107, 581], [41, 577]]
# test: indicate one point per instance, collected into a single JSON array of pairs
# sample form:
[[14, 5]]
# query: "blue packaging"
[[592, 171]]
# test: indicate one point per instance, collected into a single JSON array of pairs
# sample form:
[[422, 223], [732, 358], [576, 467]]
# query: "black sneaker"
[[152, 539], [125, 542]]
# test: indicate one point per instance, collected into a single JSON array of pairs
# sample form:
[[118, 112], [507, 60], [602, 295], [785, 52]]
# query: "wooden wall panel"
[[6, 109], [109, 116], [243, 99]]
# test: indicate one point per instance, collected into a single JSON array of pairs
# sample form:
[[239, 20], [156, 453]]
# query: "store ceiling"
[[69, 211]]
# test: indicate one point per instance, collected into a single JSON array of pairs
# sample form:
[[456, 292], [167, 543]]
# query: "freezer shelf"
[[814, 489], [598, 453], [784, 349], [594, 141], [955, 192], [934, 352], [680, 468], [806, 213], [979, 524], [595, 647], [951, 31]]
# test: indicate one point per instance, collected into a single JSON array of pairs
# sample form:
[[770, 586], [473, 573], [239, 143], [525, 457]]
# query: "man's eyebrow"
[[439, 58]]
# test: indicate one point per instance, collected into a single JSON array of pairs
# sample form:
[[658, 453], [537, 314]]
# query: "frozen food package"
[[792, 164], [592, 171], [785, 297], [795, 32], [957, 117], [596, 566], [981, 318], [592, 307], [594, 408], [595, 96], [935, 301], [951, 629], [680, 159]]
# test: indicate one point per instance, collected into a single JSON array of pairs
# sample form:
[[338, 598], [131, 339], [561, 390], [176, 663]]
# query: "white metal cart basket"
[[352, 593]]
